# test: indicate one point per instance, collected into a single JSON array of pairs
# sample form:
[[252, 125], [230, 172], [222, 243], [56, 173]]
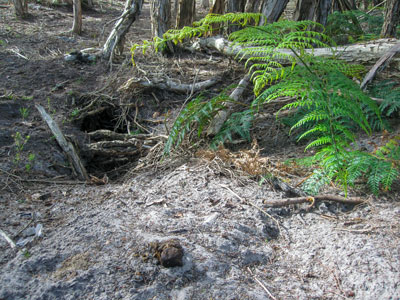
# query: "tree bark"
[[252, 6], [235, 5], [392, 18], [160, 12], [186, 13], [273, 9], [77, 25], [312, 10], [116, 38], [217, 7], [366, 53], [21, 8]]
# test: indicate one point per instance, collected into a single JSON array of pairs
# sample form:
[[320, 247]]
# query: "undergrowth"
[[353, 26], [281, 63]]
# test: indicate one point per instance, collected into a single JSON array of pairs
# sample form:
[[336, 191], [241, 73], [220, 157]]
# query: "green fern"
[[238, 123], [353, 26], [197, 114], [390, 94], [334, 108]]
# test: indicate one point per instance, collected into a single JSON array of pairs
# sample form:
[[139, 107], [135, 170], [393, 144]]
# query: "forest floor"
[[85, 241]]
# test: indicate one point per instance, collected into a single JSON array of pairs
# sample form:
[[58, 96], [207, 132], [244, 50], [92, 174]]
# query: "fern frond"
[[239, 123]]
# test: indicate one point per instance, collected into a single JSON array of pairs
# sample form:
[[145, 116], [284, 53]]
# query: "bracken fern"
[[280, 60]]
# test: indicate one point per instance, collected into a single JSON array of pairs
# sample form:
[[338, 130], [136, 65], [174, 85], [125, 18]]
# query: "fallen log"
[[359, 53], [65, 145], [116, 148], [167, 84]]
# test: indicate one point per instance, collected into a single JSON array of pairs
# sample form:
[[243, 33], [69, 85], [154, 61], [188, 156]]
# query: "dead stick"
[[10, 241], [261, 284], [298, 200]]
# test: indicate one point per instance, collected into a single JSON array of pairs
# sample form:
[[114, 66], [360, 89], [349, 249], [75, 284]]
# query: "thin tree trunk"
[[116, 38], [313, 10], [235, 5], [21, 8], [186, 13], [252, 6], [392, 18], [77, 25], [217, 7], [160, 12], [273, 9]]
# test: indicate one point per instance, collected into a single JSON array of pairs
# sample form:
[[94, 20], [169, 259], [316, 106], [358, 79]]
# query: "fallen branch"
[[116, 148], [169, 85], [310, 199], [222, 116], [380, 65], [9, 241], [66, 146], [261, 284]]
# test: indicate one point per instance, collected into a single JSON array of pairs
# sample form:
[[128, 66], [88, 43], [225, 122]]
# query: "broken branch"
[[299, 200]]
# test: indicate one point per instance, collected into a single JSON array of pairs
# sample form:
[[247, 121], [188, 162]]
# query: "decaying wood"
[[219, 120], [116, 39], [116, 146], [104, 134], [309, 199], [130, 147], [169, 85], [359, 53], [380, 65], [9, 241], [67, 147]]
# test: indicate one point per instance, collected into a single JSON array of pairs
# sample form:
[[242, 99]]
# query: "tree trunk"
[[252, 6], [21, 8], [273, 9], [186, 13], [77, 25], [217, 7], [235, 5], [160, 12], [312, 10], [116, 38], [392, 18]]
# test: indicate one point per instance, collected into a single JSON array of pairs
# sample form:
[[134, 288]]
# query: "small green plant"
[[24, 111], [19, 142], [75, 113], [27, 98], [26, 254], [31, 160]]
